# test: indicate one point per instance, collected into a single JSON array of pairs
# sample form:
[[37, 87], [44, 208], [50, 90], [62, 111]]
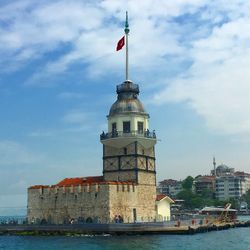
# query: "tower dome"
[[127, 100]]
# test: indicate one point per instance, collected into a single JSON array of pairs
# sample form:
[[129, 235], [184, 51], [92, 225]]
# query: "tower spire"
[[126, 35], [214, 163]]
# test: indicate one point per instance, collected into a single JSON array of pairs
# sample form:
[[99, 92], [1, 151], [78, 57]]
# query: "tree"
[[197, 202], [192, 200], [187, 196], [234, 203], [207, 193], [246, 197], [218, 203], [188, 183]]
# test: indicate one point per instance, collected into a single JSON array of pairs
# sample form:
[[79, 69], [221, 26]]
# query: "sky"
[[59, 71]]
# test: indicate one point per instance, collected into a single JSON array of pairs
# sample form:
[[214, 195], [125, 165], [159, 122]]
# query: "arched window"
[[89, 220]]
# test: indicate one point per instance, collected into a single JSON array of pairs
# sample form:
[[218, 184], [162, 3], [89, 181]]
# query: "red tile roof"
[[39, 186], [68, 182], [79, 181], [160, 197], [241, 173]]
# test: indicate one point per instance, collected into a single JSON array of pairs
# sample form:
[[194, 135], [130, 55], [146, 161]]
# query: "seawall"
[[116, 229]]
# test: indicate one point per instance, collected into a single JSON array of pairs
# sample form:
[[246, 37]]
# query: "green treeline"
[[207, 198]]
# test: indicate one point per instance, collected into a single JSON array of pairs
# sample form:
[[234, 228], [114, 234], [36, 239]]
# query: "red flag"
[[120, 44]]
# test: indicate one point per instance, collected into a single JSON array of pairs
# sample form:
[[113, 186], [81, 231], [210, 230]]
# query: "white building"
[[228, 187], [163, 210], [245, 180], [232, 185]]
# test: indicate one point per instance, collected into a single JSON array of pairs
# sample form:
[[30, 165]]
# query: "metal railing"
[[135, 133], [127, 87]]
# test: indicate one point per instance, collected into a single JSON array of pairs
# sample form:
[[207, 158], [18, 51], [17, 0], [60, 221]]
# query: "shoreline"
[[115, 229]]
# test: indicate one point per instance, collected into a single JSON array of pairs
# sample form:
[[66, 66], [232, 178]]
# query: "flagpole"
[[126, 35]]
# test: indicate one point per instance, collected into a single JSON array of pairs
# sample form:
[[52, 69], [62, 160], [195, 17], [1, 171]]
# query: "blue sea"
[[237, 238]]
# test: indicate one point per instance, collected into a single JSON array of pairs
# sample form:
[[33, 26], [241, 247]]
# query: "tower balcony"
[[121, 139], [127, 86]]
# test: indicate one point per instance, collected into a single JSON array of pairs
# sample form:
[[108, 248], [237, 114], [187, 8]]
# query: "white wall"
[[133, 118], [163, 209]]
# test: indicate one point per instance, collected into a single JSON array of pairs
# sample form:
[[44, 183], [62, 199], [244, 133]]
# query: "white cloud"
[[14, 153], [73, 121], [200, 46], [75, 117], [70, 95], [217, 85], [87, 28], [42, 133], [17, 166], [29, 30]]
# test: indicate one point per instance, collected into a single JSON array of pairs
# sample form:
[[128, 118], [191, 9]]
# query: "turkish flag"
[[120, 43]]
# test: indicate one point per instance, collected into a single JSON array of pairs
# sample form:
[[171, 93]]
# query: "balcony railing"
[[127, 87], [136, 133]]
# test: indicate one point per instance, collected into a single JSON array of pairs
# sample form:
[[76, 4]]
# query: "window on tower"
[[114, 129], [126, 127], [140, 127], [113, 126]]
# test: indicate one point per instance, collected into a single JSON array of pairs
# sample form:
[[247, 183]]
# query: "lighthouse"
[[126, 191], [128, 145]]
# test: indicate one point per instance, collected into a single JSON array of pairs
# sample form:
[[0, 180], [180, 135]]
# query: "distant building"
[[227, 187], [244, 207], [230, 184], [203, 184], [245, 180], [170, 187], [222, 170]]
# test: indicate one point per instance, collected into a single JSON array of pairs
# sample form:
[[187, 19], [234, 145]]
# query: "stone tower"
[[128, 147], [127, 188]]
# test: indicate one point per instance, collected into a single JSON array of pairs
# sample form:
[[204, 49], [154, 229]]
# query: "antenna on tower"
[[126, 35]]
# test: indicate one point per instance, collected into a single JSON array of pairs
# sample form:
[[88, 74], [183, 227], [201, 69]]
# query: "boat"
[[221, 214]]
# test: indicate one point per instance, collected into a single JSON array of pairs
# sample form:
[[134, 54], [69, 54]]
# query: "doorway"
[[134, 215]]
